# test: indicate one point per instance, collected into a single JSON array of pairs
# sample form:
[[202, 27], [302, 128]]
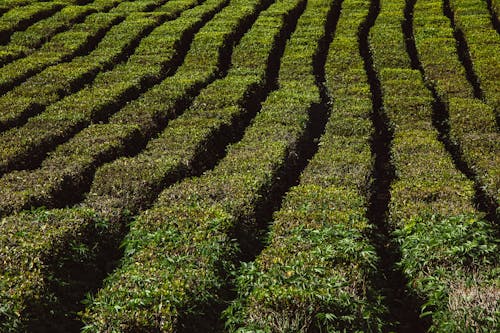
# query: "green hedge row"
[[25, 42], [242, 84], [441, 64], [34, 280], [61, 47], [45, 256], [152, 60], [473, 19], [22, 17], [474, 130], [71, 165], [214, 118], [178, 253], [315, 273], [62, 79], [448, 252], [17, 3], [473, 127]]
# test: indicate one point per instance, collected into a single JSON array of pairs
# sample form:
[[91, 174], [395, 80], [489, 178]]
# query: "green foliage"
[[63, 119], [473, 20], [449, 256], [451, 262], [318, 267], [233, 191], [212, 119], [37, 250], [18, 18], [62, 46]]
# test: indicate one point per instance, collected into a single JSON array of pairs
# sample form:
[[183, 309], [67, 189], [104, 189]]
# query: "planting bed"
[[249, 166]]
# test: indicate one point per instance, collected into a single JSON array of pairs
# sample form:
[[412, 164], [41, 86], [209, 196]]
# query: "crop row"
[[52, 84], [471, 21], [447, 250], [316, 271], [186, 249], [193, 141], [168, 94], [469, 123], [108, 93], [211, 40], [22, 17], [127, 178], [103, 142], [25, 42], [80, 39]]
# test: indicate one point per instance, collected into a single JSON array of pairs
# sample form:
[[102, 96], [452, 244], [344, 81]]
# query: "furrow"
[[494, 9], [463, 51], [467, 126], [314, 274], [59, 180], [431, 211], [402, 305], [27, 146], [127, 131], [100, 239], [26, 42], [478, 47], [79, 40], [21, 18], [225, 204], [54, 83], [188, 146]]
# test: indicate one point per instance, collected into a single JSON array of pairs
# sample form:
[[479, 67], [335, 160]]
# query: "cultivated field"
[[249, 166]]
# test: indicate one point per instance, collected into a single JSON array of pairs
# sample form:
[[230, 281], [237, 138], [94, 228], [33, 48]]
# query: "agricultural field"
[[249, 166]]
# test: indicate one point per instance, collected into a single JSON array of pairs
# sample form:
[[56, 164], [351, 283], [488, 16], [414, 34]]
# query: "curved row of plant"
[[448, 250], [468, 123], [143, 118], [78, 40], [218, 115], [33, 95], [25, 42], [22, 17], [317, 267], [77, 239], [471, 19], [110, 91], [185, 246]]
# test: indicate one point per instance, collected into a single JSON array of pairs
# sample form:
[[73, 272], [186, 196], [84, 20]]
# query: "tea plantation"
[[250, 166]]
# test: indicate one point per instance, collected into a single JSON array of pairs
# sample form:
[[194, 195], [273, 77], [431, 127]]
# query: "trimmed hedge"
[[472, 19], [22, 17], [61, 47], [39, 250], [202, 131], [55, 82], [472, 124], [178, 253], [315, 272], [448, 253], [25, 42], [473, 129], [62, 79], [109, 91], [16, 295], [128, 128]]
